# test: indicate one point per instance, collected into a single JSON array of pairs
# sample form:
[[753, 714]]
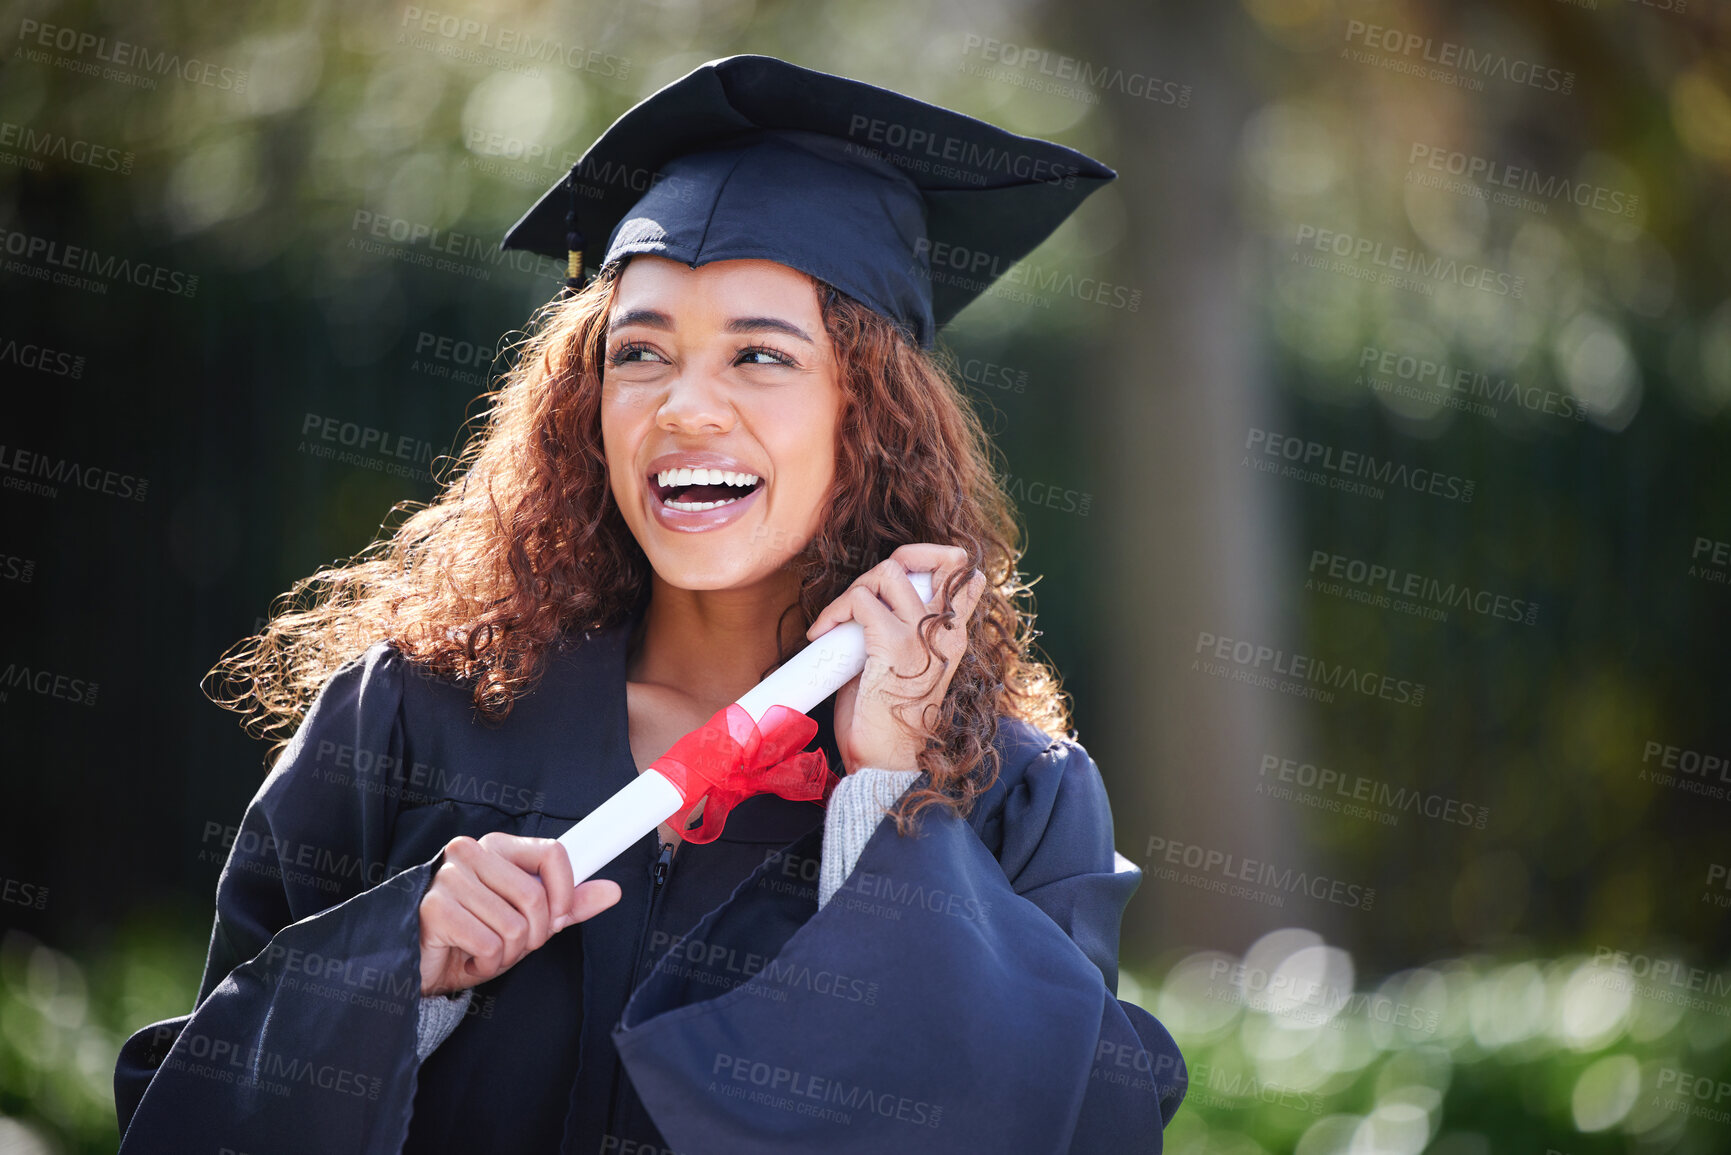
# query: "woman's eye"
[[763, 355], [627, 354]]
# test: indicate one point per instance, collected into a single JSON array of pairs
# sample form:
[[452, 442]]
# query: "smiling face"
[[719, 404]]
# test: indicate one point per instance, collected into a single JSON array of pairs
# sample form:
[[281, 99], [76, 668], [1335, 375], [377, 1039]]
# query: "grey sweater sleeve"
[[856, 806], [440, 1015]]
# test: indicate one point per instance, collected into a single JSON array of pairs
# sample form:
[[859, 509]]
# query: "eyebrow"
[[769, 325], [655, 319]]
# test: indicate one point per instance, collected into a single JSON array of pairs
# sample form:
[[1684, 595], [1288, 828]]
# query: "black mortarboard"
[[859, 186]]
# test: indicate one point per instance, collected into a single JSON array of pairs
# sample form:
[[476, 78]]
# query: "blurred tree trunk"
[[1191, 542]]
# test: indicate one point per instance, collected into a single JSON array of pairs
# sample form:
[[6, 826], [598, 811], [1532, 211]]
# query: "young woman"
[[731, 440]]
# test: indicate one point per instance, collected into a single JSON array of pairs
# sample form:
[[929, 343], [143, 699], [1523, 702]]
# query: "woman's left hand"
[[897, 670]]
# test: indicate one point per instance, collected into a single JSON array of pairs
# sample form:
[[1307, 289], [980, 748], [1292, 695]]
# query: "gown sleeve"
[[303, 1036], [958, 992]]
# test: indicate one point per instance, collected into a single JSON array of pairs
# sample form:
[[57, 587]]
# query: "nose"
[[696, 403]]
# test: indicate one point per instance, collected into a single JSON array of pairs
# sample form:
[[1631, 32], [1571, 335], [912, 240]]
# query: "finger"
[[938, 560], [593, 897], [968, 599], [896, 643], [553, 866], [829, 617], [885, 585], [544, 860], [499, 916], [898, 592], [838, 611], [505, 869], [452, 925], [886, 632], [520, 851]]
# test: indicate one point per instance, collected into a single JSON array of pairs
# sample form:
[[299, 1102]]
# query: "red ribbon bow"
[[729, 758]]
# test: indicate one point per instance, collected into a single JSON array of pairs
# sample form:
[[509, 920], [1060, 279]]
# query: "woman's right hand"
[[494, 900]]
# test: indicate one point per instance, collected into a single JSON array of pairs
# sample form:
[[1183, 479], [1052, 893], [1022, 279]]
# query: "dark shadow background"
[[224, 229]]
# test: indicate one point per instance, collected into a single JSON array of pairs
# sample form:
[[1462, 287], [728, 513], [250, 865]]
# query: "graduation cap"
[[856, 185]]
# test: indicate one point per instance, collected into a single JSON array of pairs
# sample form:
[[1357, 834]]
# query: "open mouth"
[[695, 490]]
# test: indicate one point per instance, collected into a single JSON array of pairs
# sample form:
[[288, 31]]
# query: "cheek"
[[618, 439], [807, 449]]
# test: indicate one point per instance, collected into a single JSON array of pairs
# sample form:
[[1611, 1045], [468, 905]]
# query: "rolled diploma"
[[827, 663]]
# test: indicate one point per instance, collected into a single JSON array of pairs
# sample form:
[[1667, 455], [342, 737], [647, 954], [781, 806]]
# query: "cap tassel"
[[573, 239]]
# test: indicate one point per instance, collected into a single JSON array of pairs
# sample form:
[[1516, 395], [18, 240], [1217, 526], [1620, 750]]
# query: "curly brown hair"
[[524, 543]]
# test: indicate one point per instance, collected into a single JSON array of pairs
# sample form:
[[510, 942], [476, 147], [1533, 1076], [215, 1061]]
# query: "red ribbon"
[[729, 758]]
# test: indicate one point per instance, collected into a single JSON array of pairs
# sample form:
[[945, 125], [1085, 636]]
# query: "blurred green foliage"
[[62, 1020], [1581, 1055], [358, 114]]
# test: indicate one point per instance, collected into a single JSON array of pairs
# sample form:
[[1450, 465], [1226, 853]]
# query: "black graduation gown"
[[957, 994]]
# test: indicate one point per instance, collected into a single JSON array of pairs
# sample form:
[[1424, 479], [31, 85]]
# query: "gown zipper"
[[658, 879]]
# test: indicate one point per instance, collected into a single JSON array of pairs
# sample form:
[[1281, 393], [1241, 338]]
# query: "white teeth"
[[676, 477], [699, 506]]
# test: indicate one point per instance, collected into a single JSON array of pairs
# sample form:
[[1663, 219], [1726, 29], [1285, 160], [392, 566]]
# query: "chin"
[[689, 573]]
